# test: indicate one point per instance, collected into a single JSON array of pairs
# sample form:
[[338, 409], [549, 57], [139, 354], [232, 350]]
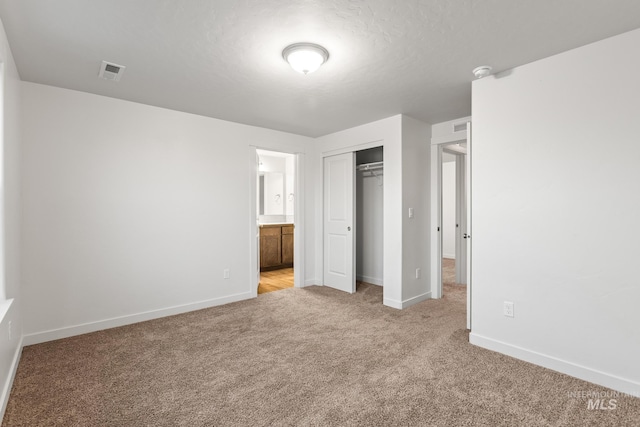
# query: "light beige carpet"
[[449, 272], [312, 356]]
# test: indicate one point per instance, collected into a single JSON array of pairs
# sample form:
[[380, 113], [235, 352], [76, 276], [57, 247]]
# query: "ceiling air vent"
[[110, 71]]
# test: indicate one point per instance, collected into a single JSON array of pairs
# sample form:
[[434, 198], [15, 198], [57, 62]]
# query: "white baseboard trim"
[[312, 282], [449, 256], [85, 328], [406, 303], [565, 367], [6, 388], [369, 279], [392, 303], [419, 298]]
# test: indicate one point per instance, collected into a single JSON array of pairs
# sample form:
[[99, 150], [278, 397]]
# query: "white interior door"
[[338, 241], [468, 222]]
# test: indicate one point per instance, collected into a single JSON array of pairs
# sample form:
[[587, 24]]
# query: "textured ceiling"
[[222, 58]]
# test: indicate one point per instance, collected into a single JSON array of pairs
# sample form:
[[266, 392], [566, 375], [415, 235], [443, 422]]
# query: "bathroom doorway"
[[275, 213]]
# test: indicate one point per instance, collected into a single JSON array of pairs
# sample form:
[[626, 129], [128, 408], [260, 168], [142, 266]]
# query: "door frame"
[[437, 148], [298, 218]]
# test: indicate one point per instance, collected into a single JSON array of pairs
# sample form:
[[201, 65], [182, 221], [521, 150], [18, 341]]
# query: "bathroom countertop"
[[276, 223]]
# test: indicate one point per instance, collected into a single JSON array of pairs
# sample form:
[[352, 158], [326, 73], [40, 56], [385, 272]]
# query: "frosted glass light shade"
[[305, 57]]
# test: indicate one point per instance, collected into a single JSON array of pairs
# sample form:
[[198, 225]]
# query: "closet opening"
[[275, 204], [369, 217], [353, 220]]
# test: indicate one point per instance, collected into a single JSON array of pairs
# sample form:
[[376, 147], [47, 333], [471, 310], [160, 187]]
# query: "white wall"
[[274, 182], [10, 309], [370, 227], [274, 195], [132, 211], [272, 163], [445, 132], [449, 207], [290, 190], [416, 136], [555, 212]]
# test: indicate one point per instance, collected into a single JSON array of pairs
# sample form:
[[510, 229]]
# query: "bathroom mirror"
[[271, 197]]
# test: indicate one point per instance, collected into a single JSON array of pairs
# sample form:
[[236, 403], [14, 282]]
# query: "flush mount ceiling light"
[[305, 57], [482, 71]]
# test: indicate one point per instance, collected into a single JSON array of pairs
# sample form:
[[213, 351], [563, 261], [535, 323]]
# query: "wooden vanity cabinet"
[[270, 247], [287, 245], [276, 246]]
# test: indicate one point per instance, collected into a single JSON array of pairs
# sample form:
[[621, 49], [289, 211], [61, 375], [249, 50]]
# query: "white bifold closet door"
[[338, 241]]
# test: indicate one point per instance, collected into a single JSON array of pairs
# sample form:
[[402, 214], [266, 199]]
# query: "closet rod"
[[370, 166]]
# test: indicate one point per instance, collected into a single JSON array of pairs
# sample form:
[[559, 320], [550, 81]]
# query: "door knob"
[[348, 228], [466, 236]]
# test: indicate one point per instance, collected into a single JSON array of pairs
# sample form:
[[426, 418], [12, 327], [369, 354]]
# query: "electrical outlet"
[[10, 329], [508, 308], [226, 274], [418, 271]]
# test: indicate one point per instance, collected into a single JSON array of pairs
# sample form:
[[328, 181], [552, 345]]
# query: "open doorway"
[[275, 203], [452, 138], [454, 278], [450, 224]]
